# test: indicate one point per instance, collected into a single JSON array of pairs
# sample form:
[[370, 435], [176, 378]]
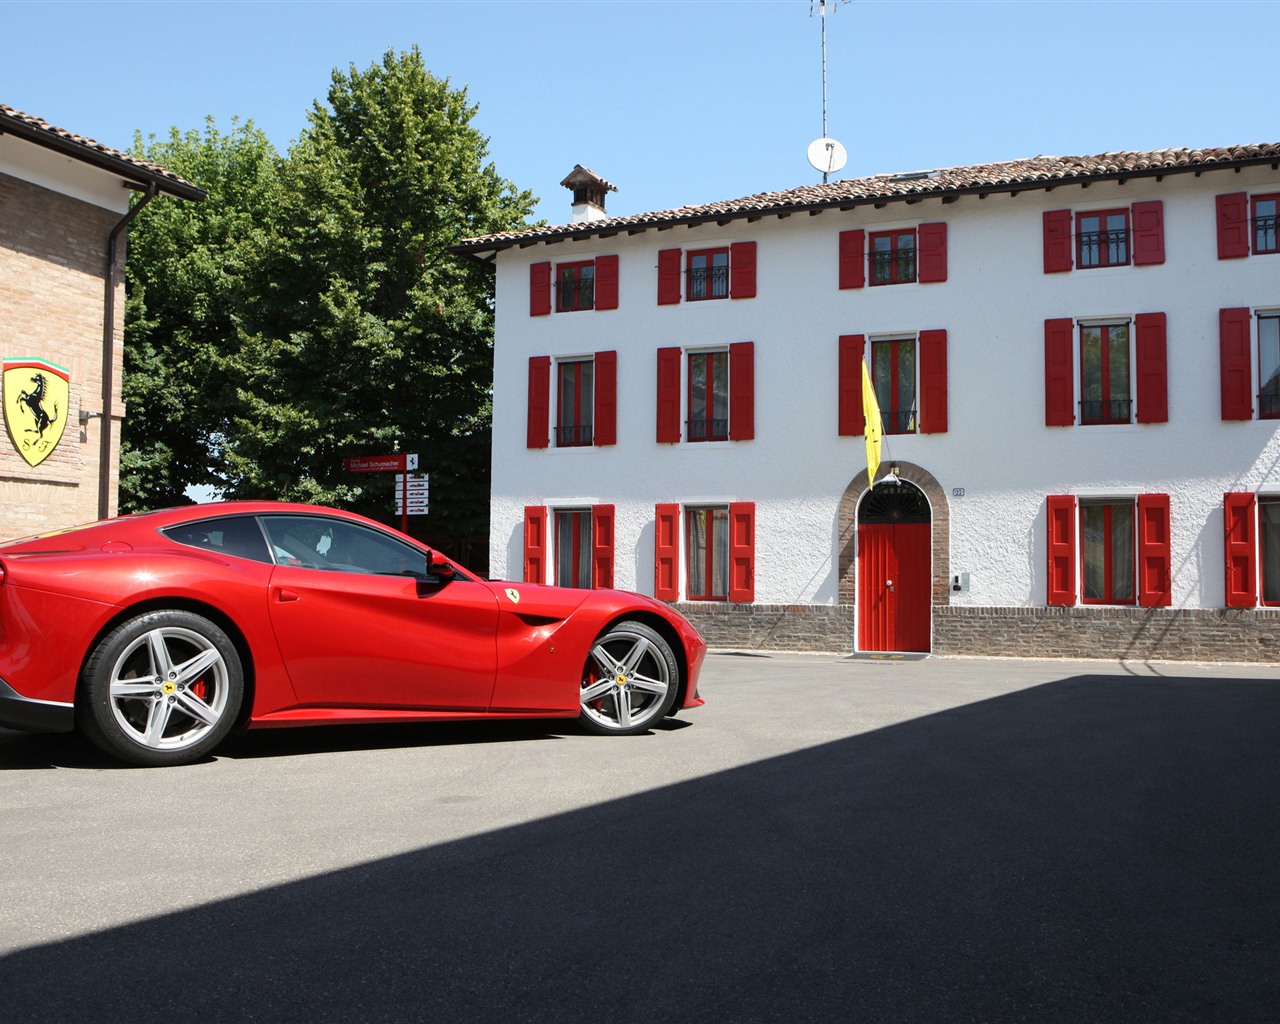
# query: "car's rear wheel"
[[630, 680], [163, 688]]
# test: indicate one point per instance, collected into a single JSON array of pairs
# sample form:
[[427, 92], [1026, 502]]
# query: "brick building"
[[1077, 360], [64, 214]]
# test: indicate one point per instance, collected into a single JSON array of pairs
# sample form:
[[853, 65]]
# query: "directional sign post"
[[411, 494], [403, 464]]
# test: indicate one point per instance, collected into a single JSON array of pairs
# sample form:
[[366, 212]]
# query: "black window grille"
[[573, 435], [707, 430], [1114, 410], [1104, 248], [708, 282], [893, 267], [1265, 237]]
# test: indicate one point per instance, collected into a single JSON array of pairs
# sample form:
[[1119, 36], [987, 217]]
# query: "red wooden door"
[[893, 586]]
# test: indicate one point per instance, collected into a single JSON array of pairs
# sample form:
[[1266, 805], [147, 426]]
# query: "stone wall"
[[1139, 634], [52, 272]]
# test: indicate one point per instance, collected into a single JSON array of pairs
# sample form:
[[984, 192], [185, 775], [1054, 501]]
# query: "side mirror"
[[438, 568]]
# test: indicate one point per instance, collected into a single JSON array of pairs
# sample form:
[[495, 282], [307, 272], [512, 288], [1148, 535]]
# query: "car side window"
[[335, 545], [239, 536]]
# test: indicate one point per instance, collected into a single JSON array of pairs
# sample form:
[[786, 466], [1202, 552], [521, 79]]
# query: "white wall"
[[993, 306]]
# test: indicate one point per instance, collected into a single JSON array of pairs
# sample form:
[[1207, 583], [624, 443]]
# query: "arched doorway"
[[894, 569]]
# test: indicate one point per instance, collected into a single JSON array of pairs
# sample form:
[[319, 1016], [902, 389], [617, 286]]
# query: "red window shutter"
[[1059, 374], [605, 426], [1057, 241], [742, 270], [535, 543], [1235, 364], [742, 551], [669, 276], [1151, 356], [539, 289], [1154, 554], [666, 552], [1148, 233], [852, 349], [853, 259], [602, 546], [933, 382], [1240, 517], [668, 395], [606, 282], [931, 242], [539, 401], [742, 391], [1062, 549], [1233, 225]]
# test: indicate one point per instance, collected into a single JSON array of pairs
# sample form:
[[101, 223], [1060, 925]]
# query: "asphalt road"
[[827, 840]]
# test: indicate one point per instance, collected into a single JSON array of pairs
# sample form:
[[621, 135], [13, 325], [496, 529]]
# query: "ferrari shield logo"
[[36, 393], [513, 595]]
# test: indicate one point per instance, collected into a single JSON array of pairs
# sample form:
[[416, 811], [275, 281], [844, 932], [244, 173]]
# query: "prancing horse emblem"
[[36, 394]]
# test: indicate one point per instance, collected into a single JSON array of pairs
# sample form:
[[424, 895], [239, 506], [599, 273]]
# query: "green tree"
[[185, 278], [361, 334]]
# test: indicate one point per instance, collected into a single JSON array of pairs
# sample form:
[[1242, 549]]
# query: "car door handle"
[[283, 595]]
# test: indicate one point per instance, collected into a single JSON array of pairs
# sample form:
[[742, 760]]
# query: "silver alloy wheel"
[[628, 680], [168, 688]]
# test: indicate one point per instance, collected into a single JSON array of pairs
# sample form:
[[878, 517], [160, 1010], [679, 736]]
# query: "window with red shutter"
[[1266, 224], [539, 409], [669, 395], [742, 270], [602, 517], [606, 399], [853, 259], [1239, 513], [666, 552], [535, 543], [669, 273], [1058, 244], [1151, 356], [1148, 233], [1059, 378], [852, 422], [1154, 552], [933, 253], [540, 289], [606, 282], [742, 391], [742, 552], [1061, 584], [1235, 364], [1233, 225], [933, 382]]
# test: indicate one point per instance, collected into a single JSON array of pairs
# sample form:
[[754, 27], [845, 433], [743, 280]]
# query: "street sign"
[[381, 463]]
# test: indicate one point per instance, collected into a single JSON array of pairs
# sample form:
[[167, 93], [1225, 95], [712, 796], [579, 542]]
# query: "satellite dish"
[[827, 155]]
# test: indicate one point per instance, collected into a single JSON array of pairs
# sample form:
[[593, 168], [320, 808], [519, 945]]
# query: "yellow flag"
[[874, 428]]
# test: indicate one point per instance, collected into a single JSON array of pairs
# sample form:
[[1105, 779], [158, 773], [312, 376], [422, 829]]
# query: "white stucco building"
[[1078, 363]]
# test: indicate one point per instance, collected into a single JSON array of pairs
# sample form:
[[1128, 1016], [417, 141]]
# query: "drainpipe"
[[109, 354]]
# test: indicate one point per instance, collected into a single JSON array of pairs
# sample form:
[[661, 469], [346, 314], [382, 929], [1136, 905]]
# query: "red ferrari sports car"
[[156, 634]]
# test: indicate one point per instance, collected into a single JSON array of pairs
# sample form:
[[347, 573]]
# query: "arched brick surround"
[[847, 515]]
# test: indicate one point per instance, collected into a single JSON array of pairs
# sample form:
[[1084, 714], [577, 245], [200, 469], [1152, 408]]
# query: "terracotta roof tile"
[[1006, 176], [35, 130]]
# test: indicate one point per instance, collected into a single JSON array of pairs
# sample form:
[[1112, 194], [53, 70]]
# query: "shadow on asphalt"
[[1096, 849]]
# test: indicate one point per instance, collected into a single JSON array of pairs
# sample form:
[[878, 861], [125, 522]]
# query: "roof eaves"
[[13, 122], [1046, 181]]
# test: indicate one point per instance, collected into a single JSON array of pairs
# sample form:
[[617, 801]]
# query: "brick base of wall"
[[1136, 634]]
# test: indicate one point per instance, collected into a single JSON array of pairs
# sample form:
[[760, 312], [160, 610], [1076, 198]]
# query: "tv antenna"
[[826, 154]]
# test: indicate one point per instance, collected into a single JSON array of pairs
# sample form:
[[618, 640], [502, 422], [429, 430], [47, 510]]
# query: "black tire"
[[629, 682], [163, 688]]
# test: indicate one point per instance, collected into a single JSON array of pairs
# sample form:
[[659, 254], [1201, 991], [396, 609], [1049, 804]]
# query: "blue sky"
[[679, 102]]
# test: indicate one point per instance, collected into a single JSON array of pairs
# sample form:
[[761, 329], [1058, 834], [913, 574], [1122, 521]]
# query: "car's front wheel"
[[630, 680], [163, 688]]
